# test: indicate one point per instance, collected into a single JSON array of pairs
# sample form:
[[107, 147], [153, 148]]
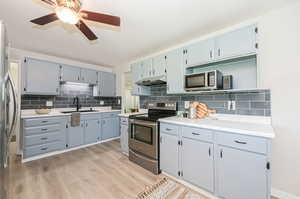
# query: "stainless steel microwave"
[[209, 80]]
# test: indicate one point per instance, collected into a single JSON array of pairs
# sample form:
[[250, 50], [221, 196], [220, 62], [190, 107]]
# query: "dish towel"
[[75, 119]]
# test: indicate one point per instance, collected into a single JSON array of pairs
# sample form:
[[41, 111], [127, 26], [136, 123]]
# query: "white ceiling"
[[146, 26]]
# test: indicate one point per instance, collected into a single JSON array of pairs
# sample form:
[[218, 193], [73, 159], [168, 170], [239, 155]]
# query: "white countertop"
[[57, 112], [142, 111], [247, 125]]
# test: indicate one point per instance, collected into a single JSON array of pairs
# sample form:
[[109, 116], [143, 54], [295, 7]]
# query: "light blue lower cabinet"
[[169, 151], [242, 174], [225, 164], [75, 135], [92, 131], [198, 163], [110, 128]]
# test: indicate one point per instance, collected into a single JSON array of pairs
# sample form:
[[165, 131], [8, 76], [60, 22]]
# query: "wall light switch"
[[231, 105], [49, 103], [119, 101], [101, 102], [186, 104]]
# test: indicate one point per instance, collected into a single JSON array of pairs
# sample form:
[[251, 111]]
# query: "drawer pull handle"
[[44, 149], [167, 129], [195, 133], [44, 129], [239, 142], [44, 138], [44, 121]]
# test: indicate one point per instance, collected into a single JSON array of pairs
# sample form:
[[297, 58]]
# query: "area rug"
[[168, 189]]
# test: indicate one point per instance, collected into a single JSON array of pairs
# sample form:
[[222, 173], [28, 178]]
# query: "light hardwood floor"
[[100, 171]]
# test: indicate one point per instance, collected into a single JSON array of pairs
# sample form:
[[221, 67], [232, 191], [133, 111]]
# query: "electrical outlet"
[[49, 103], [101, 102], [231, 105], [186, 104], [119, 101]]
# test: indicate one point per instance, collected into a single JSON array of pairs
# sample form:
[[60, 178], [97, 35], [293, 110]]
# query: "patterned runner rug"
[[169, 189]]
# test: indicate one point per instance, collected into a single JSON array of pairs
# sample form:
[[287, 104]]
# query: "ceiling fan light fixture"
[[67, 15]]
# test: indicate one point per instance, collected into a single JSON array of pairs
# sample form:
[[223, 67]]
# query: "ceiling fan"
[[69, 11]]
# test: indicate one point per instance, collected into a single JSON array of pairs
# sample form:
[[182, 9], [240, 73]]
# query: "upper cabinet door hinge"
[[256, 45], [268, 166], [256, 30]]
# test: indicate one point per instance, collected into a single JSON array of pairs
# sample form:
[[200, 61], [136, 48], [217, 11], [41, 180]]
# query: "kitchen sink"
[[82, 111]]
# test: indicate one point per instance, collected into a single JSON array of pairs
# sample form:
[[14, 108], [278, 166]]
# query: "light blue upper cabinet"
[[241, 42], [169, 154], [198, 163], [199, 53], [107, 84], [92, 132], [241, 174], [159, 65], [136, 71], [89, 76], [40, 77], [70, 73], [175, 72], [147, 68]]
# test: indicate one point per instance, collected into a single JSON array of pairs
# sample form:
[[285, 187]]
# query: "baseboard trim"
[[66, 150], [282, 194]]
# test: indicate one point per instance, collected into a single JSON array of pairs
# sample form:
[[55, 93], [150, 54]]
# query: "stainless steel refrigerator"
[[8, 113]]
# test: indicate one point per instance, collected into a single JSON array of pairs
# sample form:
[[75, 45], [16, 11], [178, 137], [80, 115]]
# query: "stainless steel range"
[[144, 135]]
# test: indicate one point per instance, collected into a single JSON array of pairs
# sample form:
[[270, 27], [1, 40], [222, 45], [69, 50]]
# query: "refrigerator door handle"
[[8, 80]]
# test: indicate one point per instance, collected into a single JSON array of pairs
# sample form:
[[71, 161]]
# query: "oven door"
[[143, 138], [195, 82]]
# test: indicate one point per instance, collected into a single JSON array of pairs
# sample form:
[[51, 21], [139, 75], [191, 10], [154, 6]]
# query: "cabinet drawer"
[[249, 143], [41, 121], [42, 138], [41, 149], [110, 114], [124, 121], [41, 129], [197, 134], [168, 128]]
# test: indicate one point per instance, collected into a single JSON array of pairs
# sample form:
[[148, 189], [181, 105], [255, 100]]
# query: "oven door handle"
[[143, 123]]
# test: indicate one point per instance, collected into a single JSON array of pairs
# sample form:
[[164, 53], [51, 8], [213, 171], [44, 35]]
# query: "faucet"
[[76, 101]]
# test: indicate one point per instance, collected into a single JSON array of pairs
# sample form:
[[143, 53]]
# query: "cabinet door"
[[70, 73], [136, 72], [41, 77], [241, 174], [237, 43], [124, 138], [110, 128], [147, 68], [199, 53], [197, 163], [169, 154], [92, 131], [89, 76], [175, 72], [107, 84], [75, 135], [159, 65]]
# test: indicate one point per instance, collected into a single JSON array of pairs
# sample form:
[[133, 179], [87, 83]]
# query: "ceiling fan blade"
[[45, 19], [50, 2], [102, 18], [86, 30]]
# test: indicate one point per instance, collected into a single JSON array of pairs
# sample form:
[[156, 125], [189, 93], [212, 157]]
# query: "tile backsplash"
[[247, 103], [65, 99]]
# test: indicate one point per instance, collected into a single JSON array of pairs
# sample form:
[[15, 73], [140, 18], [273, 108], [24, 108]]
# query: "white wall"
[[18, 54], [280, 61], [279, 66]]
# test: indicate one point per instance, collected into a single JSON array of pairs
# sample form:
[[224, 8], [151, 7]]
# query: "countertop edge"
[[224, 129]]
